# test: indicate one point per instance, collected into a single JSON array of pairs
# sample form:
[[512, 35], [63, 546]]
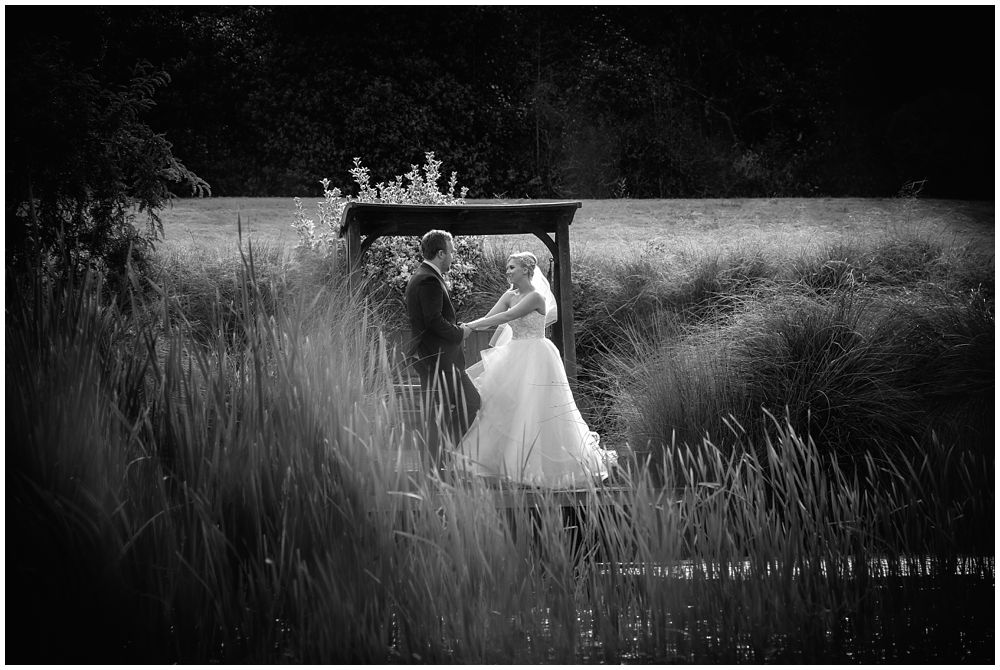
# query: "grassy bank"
[[206, 471]]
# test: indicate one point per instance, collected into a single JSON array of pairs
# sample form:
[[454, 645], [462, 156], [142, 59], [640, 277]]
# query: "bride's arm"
[[498, 316], [502, 304]]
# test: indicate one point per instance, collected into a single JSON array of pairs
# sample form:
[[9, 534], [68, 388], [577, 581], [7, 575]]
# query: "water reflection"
[[981, 567], [883, 610]]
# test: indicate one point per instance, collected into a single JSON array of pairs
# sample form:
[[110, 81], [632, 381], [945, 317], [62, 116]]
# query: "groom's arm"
[[431, 298]]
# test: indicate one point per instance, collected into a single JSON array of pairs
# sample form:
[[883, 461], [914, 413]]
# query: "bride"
[[529, 429]]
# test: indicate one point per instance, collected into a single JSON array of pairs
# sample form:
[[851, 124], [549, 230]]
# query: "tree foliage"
[[86, 175], [567, 101]]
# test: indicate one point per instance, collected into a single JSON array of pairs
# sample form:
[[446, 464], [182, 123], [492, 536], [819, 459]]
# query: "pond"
[[895, 616], [898, 612]]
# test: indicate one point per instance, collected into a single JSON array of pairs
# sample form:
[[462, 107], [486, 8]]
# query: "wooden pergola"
[[363, 223]]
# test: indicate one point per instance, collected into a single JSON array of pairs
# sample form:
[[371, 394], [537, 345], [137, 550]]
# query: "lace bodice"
[[528, 327]]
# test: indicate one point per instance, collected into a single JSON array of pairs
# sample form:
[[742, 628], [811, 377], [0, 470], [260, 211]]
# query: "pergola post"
[[352, 236], [564, 299]]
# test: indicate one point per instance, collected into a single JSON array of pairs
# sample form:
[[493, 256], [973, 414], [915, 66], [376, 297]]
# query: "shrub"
[[391, 260]]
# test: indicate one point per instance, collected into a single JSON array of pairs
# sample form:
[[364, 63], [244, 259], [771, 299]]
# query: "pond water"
[[909, 566], [900, 623], [898, 616], [900, 611]]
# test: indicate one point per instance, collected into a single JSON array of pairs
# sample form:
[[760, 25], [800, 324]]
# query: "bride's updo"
[[526, 260]]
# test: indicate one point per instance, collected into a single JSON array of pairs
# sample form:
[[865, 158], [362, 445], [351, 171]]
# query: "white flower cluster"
[[392, 259]]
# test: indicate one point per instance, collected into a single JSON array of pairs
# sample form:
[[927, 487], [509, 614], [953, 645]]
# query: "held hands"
[[466, 330]]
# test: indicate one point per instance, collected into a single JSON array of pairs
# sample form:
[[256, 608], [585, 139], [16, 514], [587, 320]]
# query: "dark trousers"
[[451, 402]]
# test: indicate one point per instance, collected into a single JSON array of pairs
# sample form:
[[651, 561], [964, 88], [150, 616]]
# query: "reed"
[[182, 494]]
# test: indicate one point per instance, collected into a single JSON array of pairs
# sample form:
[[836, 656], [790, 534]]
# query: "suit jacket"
[[434, 333]]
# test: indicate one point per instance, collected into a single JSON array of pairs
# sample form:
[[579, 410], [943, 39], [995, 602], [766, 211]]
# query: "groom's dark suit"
[[436, 345]]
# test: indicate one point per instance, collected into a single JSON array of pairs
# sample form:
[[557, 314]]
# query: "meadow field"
[[204, 462], [621, 224]]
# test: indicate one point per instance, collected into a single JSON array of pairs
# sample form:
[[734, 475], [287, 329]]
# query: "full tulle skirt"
[[529, 429]]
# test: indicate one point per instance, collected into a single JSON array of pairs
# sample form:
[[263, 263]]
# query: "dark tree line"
[[555, 101]]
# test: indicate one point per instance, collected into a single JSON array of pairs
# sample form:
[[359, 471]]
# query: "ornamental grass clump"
[[857, 365], [627, 307]]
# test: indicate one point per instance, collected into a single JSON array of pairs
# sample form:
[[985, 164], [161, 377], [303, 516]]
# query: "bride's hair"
[[526, 260]]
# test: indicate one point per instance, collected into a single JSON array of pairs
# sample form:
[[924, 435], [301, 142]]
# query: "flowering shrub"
[[390, 260]]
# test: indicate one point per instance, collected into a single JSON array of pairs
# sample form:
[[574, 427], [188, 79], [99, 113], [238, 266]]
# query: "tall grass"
[[183, 493], [861, 345]]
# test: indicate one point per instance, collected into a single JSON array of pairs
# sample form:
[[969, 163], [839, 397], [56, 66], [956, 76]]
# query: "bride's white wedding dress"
[[529, 429]]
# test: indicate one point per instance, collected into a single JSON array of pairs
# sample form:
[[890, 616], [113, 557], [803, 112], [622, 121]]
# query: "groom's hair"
[[433, 242]]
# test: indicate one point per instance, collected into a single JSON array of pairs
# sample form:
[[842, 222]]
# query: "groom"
[[436, 343]]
